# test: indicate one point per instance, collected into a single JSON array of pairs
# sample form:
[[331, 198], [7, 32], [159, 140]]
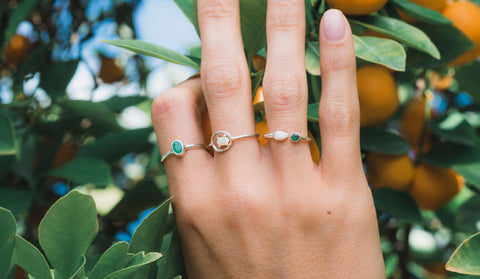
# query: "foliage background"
[[64, 125]]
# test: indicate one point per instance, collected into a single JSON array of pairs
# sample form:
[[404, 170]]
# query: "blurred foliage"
[[50, 144]]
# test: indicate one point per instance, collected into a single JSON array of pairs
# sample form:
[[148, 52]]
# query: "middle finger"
[[225, 73]]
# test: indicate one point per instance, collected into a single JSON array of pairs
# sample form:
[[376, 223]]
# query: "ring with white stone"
[[178, 149], [222, 141], [283, 136]]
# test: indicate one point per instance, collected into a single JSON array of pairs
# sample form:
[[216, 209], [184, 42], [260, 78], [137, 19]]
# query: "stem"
[[404, 254]]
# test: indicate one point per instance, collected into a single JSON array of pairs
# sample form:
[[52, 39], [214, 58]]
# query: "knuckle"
[[224, 78], [341, 61], [169, 103], [285, 17], [241, 207], [190, 211], [284, 90], [217, 10], [339, 117]]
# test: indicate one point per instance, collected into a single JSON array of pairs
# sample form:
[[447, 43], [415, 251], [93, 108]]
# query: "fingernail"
[[333, 26]]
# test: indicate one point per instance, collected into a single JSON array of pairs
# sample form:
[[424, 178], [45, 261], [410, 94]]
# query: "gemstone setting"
[[280, 136], [178, 148], [221, 141], [295, 137]]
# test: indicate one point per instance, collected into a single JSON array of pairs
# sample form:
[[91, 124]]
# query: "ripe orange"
[[258, 96], [16, 50], [433, 187], [394, 171], [262, 128], [377, 94], [110, 71], [436, 5], [465, 15], [412, 122], [357, 7], [441, 82]]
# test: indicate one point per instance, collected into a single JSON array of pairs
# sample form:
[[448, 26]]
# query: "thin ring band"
[[222, 141], [282, 136], [178, 149]]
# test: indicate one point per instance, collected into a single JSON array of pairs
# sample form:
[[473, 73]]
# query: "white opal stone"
[[280, 135], [223, 141]]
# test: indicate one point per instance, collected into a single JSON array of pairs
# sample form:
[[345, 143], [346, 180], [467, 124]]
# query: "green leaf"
[[114, 259], [186, 7], [85, 171], [149, 235], [56, 77], [381, 51], [253, 15], [470, 172], [16, 200], [30, 259], [467, 78], [7, 135], [468, 216], [421, 13], [398, 204], [101, 116], [138, 261], [118, 104], [378, 140], [312, 58], [312, 114], [450, 41], [21, 12], [466, 258], [454, 128], [80, 273], [155, 51], [6, 163], [113, 146], [449, 154], [401, 31], [8, 228], [171, 265], [66, 231]]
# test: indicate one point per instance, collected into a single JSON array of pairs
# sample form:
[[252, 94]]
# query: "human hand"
[[270, 212]]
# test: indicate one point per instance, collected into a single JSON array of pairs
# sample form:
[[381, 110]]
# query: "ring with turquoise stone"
[[283, 136], [178, 149]]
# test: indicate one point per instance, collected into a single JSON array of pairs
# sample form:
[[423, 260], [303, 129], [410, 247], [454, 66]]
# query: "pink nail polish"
[[333, 26]]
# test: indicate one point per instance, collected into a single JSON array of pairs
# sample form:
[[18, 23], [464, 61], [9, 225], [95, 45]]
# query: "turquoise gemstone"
[[177, 147], [295, 137]]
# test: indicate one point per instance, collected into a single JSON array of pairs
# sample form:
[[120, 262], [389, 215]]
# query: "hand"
[[270, 212]]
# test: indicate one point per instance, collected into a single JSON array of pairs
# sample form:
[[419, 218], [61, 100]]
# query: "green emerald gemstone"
[[295, 137], [177, 147]]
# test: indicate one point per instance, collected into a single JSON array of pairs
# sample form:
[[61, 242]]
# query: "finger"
[[339, 110], [176, 115], [224, 70], [285, 84]]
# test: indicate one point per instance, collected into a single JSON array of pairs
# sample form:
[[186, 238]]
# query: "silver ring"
[[282, 136], [222, 141], [178, 149]]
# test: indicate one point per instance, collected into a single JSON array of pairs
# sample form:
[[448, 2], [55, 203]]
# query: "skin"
[[270, 212]]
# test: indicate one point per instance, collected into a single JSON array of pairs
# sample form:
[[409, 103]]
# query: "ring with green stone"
[[178, 149], [283, 136]]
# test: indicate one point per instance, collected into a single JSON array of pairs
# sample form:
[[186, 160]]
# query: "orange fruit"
[[259, 63], [433, 187], [441, 82], [393, 171], [412, 122], [16, 50], [436, 5], [258, 96], [377, 94], [465, 16], [110, 71], [357, 7], [262, 128]]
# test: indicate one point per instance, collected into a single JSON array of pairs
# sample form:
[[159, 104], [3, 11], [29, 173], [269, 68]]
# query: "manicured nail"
[[333, 26]]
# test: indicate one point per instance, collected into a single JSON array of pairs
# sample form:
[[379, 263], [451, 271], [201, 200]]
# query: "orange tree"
[[419, 95]]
